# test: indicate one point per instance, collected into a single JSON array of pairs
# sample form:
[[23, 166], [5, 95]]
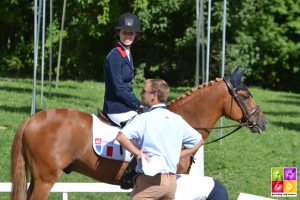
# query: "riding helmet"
[[129, 22]]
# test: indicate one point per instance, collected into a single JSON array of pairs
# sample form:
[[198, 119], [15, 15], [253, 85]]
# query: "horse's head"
[[241, 106]]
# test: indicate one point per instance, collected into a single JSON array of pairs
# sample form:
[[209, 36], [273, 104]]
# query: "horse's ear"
[[236, 77], [242, 73], [236, 70]]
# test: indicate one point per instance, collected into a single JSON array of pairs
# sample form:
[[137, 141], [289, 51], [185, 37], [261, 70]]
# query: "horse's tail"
[[18, 166]]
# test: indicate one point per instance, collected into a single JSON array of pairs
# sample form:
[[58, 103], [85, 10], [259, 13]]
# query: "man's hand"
[[139, 156], [127, 144], [193, 150]]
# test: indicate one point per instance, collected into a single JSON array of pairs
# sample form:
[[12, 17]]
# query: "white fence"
[[66, 188]]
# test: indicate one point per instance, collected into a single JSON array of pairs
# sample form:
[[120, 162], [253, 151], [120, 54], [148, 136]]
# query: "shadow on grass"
[[29, 82], [288, 125], [292, 96], [22, 109], [28, 91], [63, 87], [286, 102], [15, 89], [278, 113]]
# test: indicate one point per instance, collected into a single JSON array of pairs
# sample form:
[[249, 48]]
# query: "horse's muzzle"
[[259, 125]]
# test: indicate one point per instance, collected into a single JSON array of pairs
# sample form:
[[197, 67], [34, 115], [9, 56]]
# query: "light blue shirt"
[[161, 132]]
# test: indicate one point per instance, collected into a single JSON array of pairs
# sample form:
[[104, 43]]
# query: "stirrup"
[[127, 180]]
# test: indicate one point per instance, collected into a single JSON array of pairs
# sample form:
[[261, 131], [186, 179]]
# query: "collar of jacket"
[[121, 50]]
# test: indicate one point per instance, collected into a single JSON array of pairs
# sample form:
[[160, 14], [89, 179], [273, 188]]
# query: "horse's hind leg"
[[39, 190], [42, 180]]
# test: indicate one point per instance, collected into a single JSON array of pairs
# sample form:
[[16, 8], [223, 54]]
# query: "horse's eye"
[[246, 95]]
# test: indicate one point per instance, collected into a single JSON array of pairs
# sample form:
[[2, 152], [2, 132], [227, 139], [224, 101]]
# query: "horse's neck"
[[202, 107]]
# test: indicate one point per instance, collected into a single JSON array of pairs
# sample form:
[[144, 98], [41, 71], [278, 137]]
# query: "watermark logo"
[[284, 182]]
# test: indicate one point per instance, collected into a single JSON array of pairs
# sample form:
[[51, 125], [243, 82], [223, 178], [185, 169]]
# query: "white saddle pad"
[[105, 143]]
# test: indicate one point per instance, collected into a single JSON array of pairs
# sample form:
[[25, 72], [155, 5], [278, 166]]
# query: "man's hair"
[[161, 87]]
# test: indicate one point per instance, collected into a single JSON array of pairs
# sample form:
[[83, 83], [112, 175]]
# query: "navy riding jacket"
[[119, 72]]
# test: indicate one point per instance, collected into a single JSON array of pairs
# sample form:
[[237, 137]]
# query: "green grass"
[[242, 163]]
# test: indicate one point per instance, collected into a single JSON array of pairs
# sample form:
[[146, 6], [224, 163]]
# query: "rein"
[[236, 129], [238, 126]]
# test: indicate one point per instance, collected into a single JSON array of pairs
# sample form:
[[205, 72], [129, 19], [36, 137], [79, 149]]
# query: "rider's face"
[[127, 37]]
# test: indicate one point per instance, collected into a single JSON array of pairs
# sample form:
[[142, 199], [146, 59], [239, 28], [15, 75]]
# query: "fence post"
[[64, 196]]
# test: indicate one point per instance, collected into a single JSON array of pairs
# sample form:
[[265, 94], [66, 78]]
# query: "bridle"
[[244, 122], [246, 114]]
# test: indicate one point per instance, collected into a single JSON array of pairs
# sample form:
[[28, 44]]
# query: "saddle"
[[127, 180], [102, 116]]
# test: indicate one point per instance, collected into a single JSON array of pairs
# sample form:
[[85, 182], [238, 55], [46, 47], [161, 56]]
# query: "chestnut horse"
[[54, 141]]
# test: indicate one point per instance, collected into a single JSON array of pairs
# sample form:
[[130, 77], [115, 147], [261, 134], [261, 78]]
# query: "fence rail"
[[66, 188]]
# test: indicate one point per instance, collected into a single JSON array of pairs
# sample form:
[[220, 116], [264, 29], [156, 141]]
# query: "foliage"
[[260, 35], [267, 42], [15, 38]]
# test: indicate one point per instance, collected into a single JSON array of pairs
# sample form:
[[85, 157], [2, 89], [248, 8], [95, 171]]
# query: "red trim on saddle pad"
[[109, 151]]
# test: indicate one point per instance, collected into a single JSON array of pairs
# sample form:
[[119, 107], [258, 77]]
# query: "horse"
[[54, 141]]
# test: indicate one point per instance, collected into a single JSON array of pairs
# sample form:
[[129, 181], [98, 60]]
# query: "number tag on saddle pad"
[[105, 143]]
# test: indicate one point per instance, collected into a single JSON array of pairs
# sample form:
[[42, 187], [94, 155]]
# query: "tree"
[[261, 35]]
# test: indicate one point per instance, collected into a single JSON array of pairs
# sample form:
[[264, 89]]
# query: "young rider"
[[120, 103]]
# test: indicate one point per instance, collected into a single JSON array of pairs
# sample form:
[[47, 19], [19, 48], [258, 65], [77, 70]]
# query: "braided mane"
[[193, 90]]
